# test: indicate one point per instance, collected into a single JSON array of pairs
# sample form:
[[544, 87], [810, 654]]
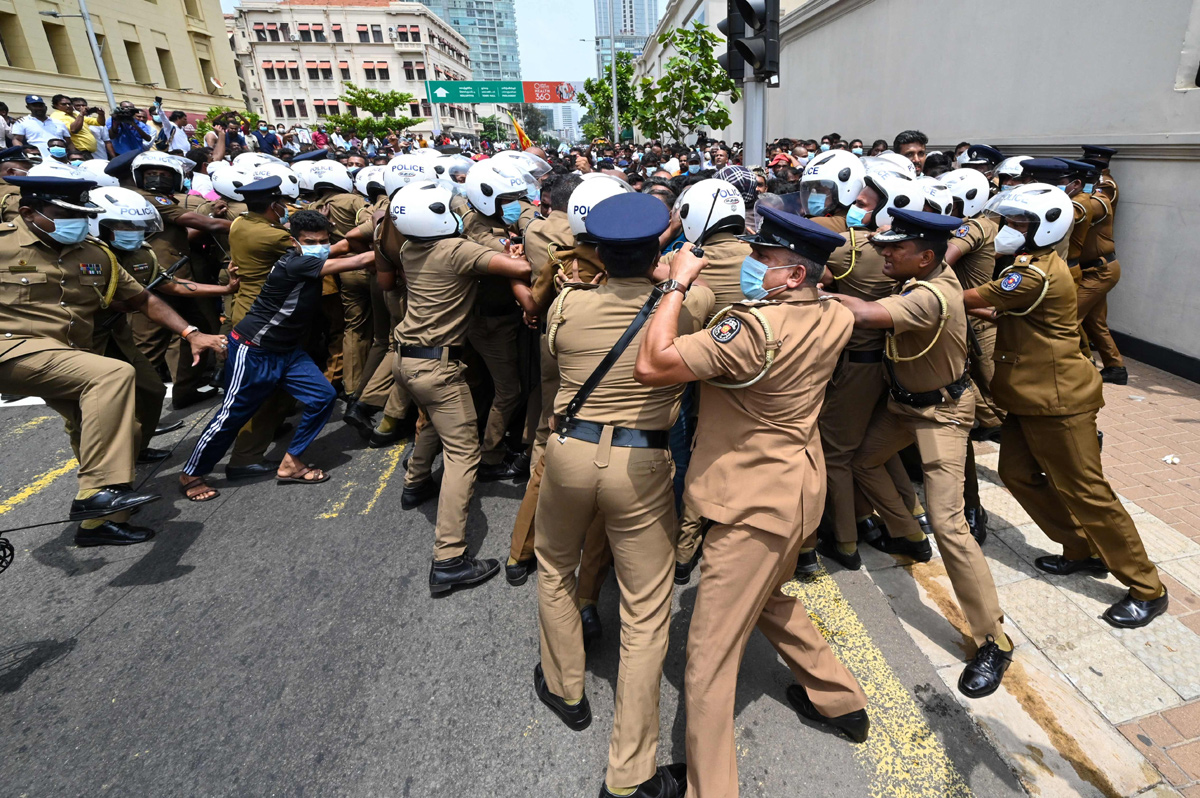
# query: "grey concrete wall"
[[870, 68]]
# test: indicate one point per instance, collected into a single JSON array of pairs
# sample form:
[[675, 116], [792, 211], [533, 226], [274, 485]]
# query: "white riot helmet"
[[830, 180], [711, 206], [252, 160], [94, 170], [330, 173], [455, 165], [895, 191], [1044, 208], [491, 180], [369, 181], [421, 210], [128, 214], [228, 182], [407, 168], [893, 161], [160, 160], [936, 194], [527, 162], [594, 188], [289, 184], [1009, 168], [303, 172], [50, 168], [970, 188]]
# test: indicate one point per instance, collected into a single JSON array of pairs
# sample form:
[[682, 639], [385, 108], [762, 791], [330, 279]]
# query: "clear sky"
[[549, 32]]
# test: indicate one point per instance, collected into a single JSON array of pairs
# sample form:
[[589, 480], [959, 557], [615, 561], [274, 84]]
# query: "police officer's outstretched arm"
[[658, 360], [503, 265], [164, 315], [867, 315]]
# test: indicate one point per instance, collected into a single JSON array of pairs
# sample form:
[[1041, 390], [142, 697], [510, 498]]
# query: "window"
[[268, 70], [381, 69], [192, 9], [314, 71], [344, 66], [350, 109], [277, 107], [293, 70], [332, 105], [284, 32], [302, 106], [305, 34], [377, 33], [414, 109], [410, 75], [363, 35], [137, 62], [206, 72], [369, 70], [401, 33], [12, 42], [420, 70], [415, 32], [319, 107], [272, 31], [337, 33], [102, 42], [318, 32], [326, 70], [60, 49], [260, 32], [289, 108], [167, 65], [426, 110]]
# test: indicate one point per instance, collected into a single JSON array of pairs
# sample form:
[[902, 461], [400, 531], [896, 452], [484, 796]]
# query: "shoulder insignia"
[[163, 200], [726, 330], [1010, 282], [91, 269], [1023, 260], [962, 231]]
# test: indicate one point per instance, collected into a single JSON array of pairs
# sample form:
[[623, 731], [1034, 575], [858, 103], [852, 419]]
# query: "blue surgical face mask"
[[857, 150], [459, 224], [128, 239], [753, 272], [287, 214], [57, 152], [315, 250], [511, 211], [533, 193], [693, 168], [824, 147], [67, 231], [856, 216], [187, 184], [816, 204], [1088, 188]]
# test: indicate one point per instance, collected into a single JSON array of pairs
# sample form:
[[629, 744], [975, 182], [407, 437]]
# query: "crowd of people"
[[691, 362]]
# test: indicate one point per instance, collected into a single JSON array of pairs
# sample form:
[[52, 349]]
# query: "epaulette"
[[1080, 211], [1022, 260], [8, 227]]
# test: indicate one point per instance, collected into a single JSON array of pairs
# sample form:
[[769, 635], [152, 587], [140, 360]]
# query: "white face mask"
[[1009, 241]]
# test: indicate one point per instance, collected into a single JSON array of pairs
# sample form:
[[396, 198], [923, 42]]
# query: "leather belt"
[[865, 355], [1072, 262], [624, 437], [431, 352], [1098, 262], [930, 398]]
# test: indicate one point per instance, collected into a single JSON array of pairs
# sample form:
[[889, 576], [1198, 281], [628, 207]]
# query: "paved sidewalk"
[[1087, 709]]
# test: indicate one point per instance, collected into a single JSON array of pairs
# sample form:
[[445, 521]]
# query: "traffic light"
[[759, 44], [734, 28]]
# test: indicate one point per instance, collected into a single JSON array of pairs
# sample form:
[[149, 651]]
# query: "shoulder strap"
[[853, 256], [113, 278], [618, 348], [892, 352]]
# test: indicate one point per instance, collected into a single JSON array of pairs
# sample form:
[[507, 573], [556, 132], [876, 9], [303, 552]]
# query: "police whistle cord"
[[162, 277]]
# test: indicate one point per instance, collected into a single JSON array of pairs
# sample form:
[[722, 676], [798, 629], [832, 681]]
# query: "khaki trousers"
[[523, 527], [690, 527], [160, 345], [358, 332], [494, 338], [850, 399], [1073, 503], [1092, 294], [632, 489], [381, 389], [942, 442], [149, 390], [96, 395], [440, 388], [740, 579], [335, 320], [983, 368]]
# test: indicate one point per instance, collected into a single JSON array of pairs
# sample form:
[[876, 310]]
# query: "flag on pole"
[[522, 138]]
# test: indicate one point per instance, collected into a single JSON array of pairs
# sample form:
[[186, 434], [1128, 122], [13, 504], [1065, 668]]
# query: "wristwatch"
[[673, 285], [188, 330]]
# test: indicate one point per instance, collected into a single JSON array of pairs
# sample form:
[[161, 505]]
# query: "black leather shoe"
[[683, 570], [518, 573], [807, 565], [923, 522], [416, 495], [663, 784], [381, 440], [977, 519], [982, 675], [197, 396], [577, 717], [520, 464], [234, 473], [1060, 566], [165, 428], [828, 548], [593, 630], [871, 529], [361, 417], [149, 455], [496, 472], [1130, 613], [111, 533], [111, 499], [920, 551], [854, 725], [461, 571], [1116, 375]]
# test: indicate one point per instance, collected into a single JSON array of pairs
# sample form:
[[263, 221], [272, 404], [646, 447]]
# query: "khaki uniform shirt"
[[141, 264], [255, 244], [1099, 242], [172, 243], [10, 200], [442, 278], [590, 322], [1079, 231], [860, 269], [723, 274], [542, 236], [757, 458], [1039, 368], [1108, 187], [835, 224], [915, 312], [50, 297], [341, 208], [976, 241], [233, 210]]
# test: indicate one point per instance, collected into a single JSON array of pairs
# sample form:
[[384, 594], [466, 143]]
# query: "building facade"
[[296, 57], [490, 27], [635, 21], [175, 50], [564, 120]]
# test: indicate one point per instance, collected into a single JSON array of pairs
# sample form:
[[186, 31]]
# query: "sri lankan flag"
[[522, 138]]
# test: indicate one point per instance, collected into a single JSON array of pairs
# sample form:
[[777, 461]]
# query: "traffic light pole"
[[754, 107]]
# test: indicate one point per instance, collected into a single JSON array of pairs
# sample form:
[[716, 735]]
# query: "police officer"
[[441, 270], [13, 163], [756, 473], [1049, 454], [1099, 269], [983, 158], [829, 186], [1055, 171], [930, 402], [1102, 157], [53, 282], [608, 454]]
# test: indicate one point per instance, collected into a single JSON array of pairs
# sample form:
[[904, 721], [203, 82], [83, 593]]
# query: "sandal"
[[300, 479], [186, 490]]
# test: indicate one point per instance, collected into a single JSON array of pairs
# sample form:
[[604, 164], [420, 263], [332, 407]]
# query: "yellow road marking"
[[40, 483], [904, 754], [336, 507], [28, 425], [391, 463]]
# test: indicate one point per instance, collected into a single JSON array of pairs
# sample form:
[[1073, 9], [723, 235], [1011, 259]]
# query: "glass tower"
[[490, 27], [635, 21]]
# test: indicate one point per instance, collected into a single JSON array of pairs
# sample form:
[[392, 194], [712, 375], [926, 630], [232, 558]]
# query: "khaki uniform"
[[758, 472], [1100, 271], [344, 210], [855, 390], [1049, 454], [940, 432], [442, 278], [10, 200], [50, 298], [976, 240], [723, 274], [632, 489], [381, 389]]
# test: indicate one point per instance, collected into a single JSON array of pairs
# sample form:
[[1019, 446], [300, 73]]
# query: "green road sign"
[[475, 91]]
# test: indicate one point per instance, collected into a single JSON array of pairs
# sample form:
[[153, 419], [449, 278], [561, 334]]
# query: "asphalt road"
[[281, 641]]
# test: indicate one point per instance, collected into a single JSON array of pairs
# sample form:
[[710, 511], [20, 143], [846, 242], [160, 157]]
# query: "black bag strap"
[[613, 355]]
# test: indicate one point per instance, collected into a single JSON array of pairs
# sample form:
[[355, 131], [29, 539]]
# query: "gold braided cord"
[[889, 343], [1041, 296], [771, 348], [853, 256]]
